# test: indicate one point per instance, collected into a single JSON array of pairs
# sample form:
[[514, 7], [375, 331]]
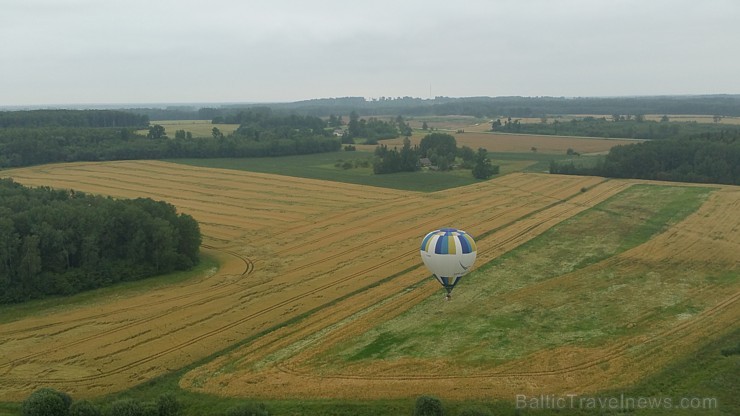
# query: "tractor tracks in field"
[[603, 192], [222, 289], [249, 267], [640, 348], [386, 235]]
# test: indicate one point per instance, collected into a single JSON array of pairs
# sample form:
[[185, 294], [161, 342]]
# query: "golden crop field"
[[336, 260]]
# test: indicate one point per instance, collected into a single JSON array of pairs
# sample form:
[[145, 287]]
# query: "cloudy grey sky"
[[154, 51]]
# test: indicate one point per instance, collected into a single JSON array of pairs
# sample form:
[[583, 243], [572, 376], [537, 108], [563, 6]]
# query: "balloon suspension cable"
[[448, 296]]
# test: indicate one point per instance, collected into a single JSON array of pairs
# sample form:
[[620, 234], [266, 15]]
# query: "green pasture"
[[329, 166], [323, 166]]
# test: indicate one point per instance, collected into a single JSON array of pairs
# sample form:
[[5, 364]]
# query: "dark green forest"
[[705, 158], [60, 242]]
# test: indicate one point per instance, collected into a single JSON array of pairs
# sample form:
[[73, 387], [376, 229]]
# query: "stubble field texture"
[[583, 284]]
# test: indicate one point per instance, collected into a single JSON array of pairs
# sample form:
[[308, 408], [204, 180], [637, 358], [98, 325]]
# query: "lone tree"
[[483, 168], [216, 133], [156, 132]]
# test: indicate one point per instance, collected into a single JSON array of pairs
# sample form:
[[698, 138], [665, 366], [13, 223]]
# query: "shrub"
[[731, 351], [46, 402], [168, 405], [428, 406], [84, 408], [248, 409], [149, 409], [126, 407], [474, 411]]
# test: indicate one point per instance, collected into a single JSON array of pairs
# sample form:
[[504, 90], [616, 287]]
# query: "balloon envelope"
[[449, 253]]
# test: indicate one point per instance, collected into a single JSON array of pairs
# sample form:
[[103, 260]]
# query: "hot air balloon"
[[449, 253]]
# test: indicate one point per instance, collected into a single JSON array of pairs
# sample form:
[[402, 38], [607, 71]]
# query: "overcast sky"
[[180, 51]]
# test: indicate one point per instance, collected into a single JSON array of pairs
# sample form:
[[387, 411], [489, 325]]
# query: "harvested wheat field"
[[338, 260], [523, 143], [574, 331]]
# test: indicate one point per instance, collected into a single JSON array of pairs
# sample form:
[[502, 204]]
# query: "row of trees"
[[25, 147], [706, 158], [72, 118], [59, 242], [50, 402], [616, 127], [262, 119], [50, 136], [441, 150]]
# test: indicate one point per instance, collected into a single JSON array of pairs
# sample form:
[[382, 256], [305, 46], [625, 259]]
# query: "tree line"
[[47, 401], [712, 157], [616, 126], [72, 118], [61, 242], [260, 134], [51, 402], [723, 105]]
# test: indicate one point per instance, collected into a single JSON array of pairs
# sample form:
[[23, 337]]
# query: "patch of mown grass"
[[12, 312], [379, 346], [496, 316]]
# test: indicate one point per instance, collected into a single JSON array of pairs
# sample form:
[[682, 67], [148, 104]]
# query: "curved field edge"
[[207, 267], [402, 379]]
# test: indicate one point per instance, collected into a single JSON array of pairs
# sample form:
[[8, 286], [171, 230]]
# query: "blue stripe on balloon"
[[441, 247], [465, 244]]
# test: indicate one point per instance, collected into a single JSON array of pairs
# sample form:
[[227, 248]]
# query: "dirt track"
[[288, 246]]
